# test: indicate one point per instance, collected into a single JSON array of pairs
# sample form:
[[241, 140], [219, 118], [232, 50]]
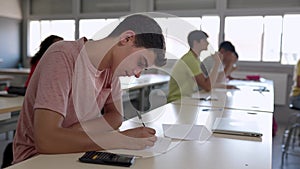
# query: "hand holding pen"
[[140, 117]]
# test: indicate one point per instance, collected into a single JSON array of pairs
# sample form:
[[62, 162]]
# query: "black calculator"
[[107, 158]]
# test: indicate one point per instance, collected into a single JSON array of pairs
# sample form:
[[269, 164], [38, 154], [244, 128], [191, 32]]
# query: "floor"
[[292, 162]]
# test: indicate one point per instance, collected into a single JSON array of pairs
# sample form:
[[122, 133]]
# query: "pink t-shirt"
[[66, 82]]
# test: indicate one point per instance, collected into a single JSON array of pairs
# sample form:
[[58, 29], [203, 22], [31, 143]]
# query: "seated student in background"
[[295, 92], [186, 75], [228, 58], [45, 44], [75, 80]]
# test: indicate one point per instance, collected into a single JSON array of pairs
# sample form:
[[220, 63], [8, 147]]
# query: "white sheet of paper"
[[160, 146], [186, 131], [198, 95]]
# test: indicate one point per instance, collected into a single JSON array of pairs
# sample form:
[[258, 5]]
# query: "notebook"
[[236, 127]]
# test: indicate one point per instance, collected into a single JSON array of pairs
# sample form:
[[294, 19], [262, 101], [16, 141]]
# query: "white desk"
[[15, 71], [5, 81], [129, 83], [142, 84], [216, 153], [20, 75], [246, 98], [10, 104], [6, 78]]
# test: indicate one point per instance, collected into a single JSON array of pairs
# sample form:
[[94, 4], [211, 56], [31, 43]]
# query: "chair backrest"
[[7, 156]]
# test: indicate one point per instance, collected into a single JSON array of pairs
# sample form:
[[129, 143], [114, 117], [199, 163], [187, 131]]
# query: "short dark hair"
[[148, 34], [196, 35], [228, 46]]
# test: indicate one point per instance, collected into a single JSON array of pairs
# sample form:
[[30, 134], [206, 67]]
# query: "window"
[[211, 25], [96, 28], [39, 30], [265, 38], [245, 33], [290, 38], [272, 38], [176, 41]]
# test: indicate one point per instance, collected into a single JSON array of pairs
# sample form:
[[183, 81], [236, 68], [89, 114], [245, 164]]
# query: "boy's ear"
[[127, 36]]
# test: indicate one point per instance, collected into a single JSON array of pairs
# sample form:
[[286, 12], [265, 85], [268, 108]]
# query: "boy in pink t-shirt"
[[75, 81]]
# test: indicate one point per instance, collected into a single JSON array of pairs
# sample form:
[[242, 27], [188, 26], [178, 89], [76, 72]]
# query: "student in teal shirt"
[[186, 75]]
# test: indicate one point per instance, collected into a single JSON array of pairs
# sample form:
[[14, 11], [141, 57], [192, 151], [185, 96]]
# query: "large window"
[[265, 38], [96, 28], [257, 38], [290, 39], [39, 30], [246, 34], [177, 29], [211, 25], [272, 38], [174, 29]]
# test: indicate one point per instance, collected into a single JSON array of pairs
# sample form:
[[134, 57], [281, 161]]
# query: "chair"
[[7, 155], [291, 135], [291, 143]]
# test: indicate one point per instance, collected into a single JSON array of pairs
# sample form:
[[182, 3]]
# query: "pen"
[[140, 117], [212, 109], [208, 98]]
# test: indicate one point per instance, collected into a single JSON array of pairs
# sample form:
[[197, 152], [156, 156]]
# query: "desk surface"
[[248, 97], [144, 80], [10, 104], [219, 151], [6, 78], [23, 71]]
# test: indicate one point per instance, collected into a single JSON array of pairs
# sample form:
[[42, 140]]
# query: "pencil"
[[140, 117]]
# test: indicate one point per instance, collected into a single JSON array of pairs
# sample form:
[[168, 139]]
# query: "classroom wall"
[[10, 9], [10, 43]]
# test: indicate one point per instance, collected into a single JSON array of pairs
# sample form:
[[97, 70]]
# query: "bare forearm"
[[52, 137], [214, 73], [64, 140], [70, 141], [111, 120], [107, 122], [298, 81]]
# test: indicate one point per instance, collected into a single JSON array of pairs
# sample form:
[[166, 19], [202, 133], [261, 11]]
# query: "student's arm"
[[203, 82], [297, 73], [113, 114], [52, 138], [230, 65], [111, 119], [207, 83], [298, 81]]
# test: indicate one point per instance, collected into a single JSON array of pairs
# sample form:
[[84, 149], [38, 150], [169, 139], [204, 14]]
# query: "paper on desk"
[[198, 95], [161, 145], [186, 131]]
